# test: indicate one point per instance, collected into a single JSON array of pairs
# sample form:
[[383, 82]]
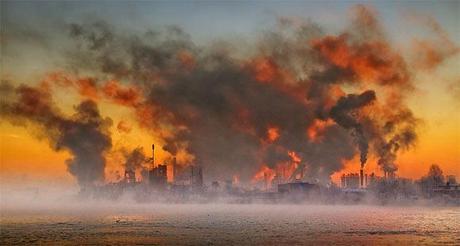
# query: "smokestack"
[[361, 177], [174, 169], [153, 156], [191, 175], [301, 174], [284, 175], [266, 181]]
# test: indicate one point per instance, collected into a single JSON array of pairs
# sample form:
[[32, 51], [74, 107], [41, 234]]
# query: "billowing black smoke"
[[345, 114], [218, 108], [135, 159], [217, 102], [84, 134], [396, 135]]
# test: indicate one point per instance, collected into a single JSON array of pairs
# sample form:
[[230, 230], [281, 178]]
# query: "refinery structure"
[[171, 182]]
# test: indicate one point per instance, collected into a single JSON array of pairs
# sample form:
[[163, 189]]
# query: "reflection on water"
[[232, 224]]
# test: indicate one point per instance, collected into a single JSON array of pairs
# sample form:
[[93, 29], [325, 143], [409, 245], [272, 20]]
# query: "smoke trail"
[[398, 133], [342, 113]]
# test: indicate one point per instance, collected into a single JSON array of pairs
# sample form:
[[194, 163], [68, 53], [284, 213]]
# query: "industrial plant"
[[187, 184]]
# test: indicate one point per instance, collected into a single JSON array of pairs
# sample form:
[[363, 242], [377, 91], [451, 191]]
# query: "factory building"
[[174, 170], [356, 181], [389, 174], [450, 188], [350, 181], [158, 175], [451, 180], [371, 180], [196, 178]]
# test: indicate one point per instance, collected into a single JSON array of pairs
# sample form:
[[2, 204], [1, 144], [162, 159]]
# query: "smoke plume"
[[84, 134], [235, 112], [222, 107], [135, 159], [398, 133], [342, 113]]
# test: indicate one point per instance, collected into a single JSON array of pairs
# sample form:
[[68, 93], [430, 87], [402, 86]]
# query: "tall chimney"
[[153, 156], [191, 176], [361, 177], [301, 173], [174, 169], [284, 175], [266, 181]]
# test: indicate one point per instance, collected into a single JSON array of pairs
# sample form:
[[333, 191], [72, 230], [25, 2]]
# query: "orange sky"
[[23, 156]]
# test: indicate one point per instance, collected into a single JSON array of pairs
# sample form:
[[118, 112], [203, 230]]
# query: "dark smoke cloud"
[[84, 134], [398, 133], [218, 106], [135, 159], [343, 114], [97, 34], [217, 102]]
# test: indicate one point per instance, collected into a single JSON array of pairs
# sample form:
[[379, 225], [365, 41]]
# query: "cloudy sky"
[[35, 42]]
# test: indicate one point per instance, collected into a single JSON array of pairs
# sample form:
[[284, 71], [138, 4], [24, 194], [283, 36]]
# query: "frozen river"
[[218, 224]]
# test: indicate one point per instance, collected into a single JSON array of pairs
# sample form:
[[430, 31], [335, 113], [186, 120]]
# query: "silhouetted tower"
[[158, 174], [153, 156], [196, 177], [266, 181], [152, 164], [174, 164]]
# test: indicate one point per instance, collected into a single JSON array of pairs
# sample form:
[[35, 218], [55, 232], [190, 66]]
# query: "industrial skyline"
[[298, 92], [257, 122]]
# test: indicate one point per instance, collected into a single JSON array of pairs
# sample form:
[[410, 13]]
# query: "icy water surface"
[[219, 224]]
